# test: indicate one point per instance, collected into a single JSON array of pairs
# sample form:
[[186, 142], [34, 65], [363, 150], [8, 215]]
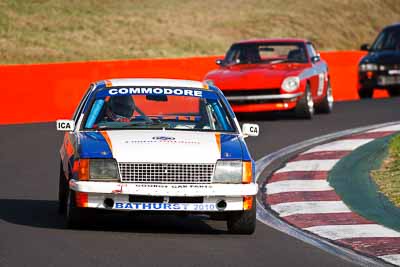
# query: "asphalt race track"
[[32, 233]]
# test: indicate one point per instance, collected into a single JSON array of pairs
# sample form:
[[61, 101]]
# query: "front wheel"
[[74, 216], [326, 104], [242, 222], [394, 92], [305, 106], [62, 191], [365, 93]]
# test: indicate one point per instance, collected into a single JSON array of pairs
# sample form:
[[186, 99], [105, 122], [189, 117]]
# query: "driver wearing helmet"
[[120, 109]]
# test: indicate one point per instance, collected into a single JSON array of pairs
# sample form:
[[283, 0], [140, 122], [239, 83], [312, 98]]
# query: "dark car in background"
[[380, 68]]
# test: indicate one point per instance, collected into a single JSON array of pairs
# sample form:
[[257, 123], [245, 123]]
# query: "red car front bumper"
[[264, 107], [261, 103]]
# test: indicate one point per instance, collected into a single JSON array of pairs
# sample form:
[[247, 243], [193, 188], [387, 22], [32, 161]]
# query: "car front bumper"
[[379, 80], [118, 196], [257, 103]]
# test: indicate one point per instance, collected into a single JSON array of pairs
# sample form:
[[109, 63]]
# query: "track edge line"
[[268, 218]]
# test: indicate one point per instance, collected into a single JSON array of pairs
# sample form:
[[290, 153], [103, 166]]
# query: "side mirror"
[[315, 59], [65, 125], [364, 47], [250, 129], [219, 62]]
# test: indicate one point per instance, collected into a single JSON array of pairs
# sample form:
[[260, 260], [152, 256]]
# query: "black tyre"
[[243, 222], [326, 104], [74, 216], [365, 93], [305, 107], [394, 92], [62, 191]]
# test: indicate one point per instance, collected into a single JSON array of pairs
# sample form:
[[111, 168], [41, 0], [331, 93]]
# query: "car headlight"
[[233, 172], [98, 169], [382, 67], [290, 84], [368, 67]]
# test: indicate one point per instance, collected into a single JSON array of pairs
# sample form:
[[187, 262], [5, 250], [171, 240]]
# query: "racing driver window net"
[[201, 112]]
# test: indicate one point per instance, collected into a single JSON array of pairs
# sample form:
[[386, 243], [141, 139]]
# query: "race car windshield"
[[258, 53], [158, 108], [387, 40]]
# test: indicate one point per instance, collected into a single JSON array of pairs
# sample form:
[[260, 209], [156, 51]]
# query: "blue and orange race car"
[[155, 145]]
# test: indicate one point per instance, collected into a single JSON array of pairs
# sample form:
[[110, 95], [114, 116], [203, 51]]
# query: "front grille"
[[166, 173], [246, 102], [249, 92]]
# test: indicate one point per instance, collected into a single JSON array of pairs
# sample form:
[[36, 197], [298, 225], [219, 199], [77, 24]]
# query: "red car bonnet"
[[253, 76]]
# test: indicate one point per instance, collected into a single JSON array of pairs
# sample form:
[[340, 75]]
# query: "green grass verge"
[[388, 176], [58, 30], [351, 179]]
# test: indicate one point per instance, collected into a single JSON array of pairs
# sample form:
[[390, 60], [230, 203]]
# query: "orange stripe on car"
[[218, 140], [107, 138], [75, 167], [108, 83], [69, 148]]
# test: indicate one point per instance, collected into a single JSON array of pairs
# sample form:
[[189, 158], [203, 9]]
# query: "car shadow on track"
[[43, 214]]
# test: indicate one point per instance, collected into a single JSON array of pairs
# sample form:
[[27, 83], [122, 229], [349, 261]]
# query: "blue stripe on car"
[[93, 145], [230, 147]]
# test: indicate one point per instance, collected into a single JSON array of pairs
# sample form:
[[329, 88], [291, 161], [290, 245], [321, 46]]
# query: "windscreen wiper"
[[149, 124], [276, 61]]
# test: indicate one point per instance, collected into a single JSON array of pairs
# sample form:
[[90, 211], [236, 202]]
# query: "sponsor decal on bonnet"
[[163, 138]]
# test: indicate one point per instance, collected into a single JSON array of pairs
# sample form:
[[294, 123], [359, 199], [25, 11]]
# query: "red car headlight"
[[290, 84]]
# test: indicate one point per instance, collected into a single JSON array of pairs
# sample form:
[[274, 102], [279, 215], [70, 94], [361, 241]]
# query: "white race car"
[[157, 145]]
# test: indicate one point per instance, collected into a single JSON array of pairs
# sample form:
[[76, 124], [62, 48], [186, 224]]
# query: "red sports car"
[[274, 74]]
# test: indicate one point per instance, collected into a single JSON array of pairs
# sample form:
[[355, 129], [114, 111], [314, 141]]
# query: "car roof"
[[274, 40], [153, 82], [395, 25]]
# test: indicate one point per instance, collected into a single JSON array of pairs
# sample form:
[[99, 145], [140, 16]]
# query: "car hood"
[[382, 57], [161, 146], [251, 76]]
